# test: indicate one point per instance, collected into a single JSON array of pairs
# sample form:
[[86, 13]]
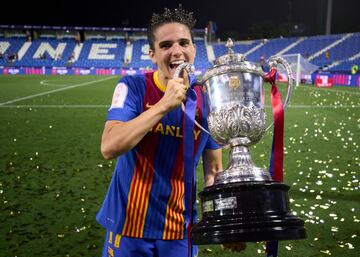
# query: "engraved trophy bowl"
[[244, 204]]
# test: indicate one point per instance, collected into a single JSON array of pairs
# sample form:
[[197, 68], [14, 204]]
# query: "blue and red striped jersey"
[[146, 196]]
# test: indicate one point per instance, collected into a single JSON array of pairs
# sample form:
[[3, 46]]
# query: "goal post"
[[299, 65]]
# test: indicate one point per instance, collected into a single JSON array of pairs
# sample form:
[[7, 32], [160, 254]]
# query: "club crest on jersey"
[[119, 96]]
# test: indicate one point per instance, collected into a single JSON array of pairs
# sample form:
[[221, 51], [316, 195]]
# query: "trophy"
[[244, 204]]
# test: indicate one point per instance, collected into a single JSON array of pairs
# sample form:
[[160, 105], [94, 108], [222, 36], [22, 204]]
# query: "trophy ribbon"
[[189, 109], [188, 145], [277, 149]]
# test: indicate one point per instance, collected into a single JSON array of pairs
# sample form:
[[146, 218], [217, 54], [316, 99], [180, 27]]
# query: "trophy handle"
[[190, 68], [274, 61]]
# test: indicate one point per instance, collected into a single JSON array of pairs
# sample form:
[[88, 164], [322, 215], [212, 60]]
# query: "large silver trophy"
[[244, 204]]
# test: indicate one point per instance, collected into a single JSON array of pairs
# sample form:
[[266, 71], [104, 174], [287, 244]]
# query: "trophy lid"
[[231, 56], [231, 62]]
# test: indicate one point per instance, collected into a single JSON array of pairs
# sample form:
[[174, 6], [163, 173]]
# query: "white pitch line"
[[346, 92], [330, 90], [322, 106], [54, 91], [46, 83]]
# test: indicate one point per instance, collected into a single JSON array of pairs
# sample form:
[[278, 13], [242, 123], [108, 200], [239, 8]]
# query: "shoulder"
[[135, 83], [129, 86], [134, 80]]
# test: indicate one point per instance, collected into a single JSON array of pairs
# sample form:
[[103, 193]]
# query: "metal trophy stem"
[[244, 204], [237, 171]]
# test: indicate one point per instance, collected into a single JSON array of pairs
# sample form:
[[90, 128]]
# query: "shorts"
[[122, 246]]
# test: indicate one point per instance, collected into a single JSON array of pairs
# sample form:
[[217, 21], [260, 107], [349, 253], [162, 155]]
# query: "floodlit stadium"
[[56, 86], [96, 51]]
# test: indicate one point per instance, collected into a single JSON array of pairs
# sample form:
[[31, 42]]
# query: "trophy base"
[[246, 212]]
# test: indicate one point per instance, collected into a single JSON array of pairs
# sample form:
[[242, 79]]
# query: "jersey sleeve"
[[126, 102], [211, 144]]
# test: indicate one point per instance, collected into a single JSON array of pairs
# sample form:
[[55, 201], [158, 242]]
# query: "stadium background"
[[53, 178]]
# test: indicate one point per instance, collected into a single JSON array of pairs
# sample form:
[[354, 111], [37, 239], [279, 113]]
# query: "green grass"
[[53, 178]]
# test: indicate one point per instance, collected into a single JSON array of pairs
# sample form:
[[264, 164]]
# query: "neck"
[[163, 80]]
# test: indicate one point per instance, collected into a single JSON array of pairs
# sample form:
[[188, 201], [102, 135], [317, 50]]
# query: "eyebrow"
[[165, 42], [171, 42]]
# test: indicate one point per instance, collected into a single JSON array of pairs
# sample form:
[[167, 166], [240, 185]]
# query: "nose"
[[176, 50]]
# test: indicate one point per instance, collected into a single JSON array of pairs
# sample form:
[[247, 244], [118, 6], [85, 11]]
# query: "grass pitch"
[[53, 178]]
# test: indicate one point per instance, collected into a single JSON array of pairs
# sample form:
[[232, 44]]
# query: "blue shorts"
[[121, 246]]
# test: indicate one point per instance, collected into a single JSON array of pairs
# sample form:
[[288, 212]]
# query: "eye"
[[184, 43], [165, 45]]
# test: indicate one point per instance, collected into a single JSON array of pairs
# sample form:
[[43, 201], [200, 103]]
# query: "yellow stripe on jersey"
[[158, 83], [117, 240], [174, 219], [110, 252], [138, 198], [110, 237]]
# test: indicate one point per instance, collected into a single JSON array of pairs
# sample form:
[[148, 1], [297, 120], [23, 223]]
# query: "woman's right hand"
[[174, 95]]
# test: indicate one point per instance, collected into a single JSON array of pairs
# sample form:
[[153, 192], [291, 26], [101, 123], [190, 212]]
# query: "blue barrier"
[[76, 71]]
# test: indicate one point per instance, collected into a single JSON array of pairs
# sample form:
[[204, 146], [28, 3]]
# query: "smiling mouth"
[[173, 65]]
